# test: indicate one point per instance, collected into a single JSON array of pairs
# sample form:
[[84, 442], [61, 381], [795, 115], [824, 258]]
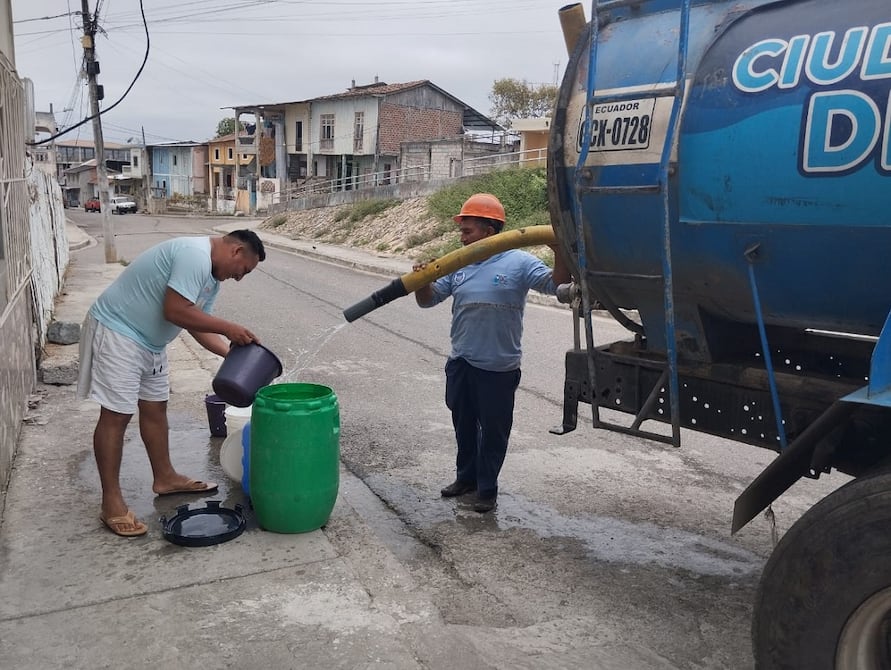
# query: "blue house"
[[178, 168]]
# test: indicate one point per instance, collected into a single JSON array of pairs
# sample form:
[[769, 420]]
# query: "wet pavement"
[[74, 595], [413, 582]]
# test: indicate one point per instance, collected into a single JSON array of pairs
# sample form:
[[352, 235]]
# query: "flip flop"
[[125, 526], [193, 486]]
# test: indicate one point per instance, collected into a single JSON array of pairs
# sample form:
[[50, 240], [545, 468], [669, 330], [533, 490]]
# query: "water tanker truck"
[[720, 181]]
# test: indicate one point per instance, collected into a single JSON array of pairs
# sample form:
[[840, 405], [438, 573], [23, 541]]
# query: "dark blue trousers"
[[482, 405]]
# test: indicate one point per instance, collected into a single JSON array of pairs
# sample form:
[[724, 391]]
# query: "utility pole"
[[144, 170], [92, 68]]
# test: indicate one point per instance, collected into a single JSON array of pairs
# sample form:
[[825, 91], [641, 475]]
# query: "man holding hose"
[[483, 369]]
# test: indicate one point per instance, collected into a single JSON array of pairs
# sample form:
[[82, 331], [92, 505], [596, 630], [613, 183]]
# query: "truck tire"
[[824, 600]]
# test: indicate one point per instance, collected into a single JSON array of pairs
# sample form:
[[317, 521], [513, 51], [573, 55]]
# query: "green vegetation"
[[522, 191], [363, 209], [277, 220]]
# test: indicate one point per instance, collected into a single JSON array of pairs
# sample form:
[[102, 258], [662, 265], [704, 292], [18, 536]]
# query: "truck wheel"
[[824, 600]]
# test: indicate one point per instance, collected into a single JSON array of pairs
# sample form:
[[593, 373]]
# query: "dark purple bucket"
[[245, 370], [216, 415]]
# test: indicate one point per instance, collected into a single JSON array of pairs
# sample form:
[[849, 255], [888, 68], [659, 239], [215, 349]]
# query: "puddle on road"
[[193, 452], [603, 538], [607, 539]]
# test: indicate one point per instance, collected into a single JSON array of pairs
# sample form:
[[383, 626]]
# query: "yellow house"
[[534, 135], [221, 171]]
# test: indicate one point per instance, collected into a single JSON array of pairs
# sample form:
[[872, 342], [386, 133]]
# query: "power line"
[[46, 18], [119, 100]]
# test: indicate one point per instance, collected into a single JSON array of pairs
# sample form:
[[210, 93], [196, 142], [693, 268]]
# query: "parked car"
[[92, 205], [121, 204]]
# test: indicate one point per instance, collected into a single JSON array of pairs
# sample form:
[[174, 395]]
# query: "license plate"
[[621, 126]]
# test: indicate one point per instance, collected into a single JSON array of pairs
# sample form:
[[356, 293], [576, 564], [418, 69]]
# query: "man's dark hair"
[[496, 224], [251, 239]]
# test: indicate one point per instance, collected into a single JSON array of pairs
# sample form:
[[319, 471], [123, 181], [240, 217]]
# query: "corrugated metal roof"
[[473, 119], [89, 143]]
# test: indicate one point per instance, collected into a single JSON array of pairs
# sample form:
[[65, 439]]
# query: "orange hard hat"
[[482, 205]]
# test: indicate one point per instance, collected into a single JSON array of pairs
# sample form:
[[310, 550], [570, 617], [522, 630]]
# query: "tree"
[[515, 99], [227, 126]]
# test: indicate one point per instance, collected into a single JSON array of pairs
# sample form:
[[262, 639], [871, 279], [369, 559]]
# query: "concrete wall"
[[18, 375], [49, 247], [267, 193], [344, 112], [24, 322], [199, 171], [401, 191]]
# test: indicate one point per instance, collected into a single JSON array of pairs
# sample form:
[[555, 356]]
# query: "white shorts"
[[117, 372]]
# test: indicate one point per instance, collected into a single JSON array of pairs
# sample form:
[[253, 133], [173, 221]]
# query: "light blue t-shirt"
[[488, 300], [134, 303]]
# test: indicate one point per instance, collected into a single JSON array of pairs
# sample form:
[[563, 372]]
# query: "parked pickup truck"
[[121, 204]]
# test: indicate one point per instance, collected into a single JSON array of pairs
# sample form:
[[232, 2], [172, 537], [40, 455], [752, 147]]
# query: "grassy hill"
[[420, 228]]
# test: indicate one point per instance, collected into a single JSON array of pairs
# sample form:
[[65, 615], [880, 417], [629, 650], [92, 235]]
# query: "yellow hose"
[[478, 251], [472, 253]]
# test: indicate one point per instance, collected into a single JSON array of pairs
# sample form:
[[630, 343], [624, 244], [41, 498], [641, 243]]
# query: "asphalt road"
[[598, 540]]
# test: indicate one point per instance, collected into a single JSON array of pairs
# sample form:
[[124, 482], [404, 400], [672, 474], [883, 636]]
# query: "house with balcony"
[[82, 182], [224, 160], [178, 169], [371, 134], [71, 153]]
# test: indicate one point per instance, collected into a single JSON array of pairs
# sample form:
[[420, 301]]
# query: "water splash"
[[300, 358]]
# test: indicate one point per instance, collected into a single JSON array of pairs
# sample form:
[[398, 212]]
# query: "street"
[[604, 550]]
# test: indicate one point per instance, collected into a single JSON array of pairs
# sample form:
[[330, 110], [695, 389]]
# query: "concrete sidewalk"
[[73, 595]]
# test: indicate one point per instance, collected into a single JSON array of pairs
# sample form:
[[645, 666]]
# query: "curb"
[[79, 239]]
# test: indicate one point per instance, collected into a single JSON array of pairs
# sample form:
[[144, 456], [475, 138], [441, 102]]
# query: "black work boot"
[[485, 504], [457, 488]]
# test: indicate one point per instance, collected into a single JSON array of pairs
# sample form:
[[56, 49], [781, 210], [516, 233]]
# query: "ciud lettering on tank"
[[843, 128]]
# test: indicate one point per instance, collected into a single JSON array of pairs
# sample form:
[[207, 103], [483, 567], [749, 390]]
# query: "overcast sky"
[[209, 54]]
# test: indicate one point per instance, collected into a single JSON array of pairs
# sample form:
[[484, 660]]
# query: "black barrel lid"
[[203, 525]]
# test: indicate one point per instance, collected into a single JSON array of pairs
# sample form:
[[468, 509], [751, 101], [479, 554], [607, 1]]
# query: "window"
[[244, 157], [135, 161], [298, 137], [231, 153], [326, 136], [358, 132], [174, 159], [216, 154]]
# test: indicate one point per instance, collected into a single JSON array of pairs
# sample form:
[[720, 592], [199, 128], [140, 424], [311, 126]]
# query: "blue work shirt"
[[488, 300], [134, 303]]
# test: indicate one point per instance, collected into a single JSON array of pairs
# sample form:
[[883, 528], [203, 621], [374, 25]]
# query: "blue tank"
[[780, 166]]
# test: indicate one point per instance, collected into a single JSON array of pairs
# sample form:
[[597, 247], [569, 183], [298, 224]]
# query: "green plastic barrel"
[[294, 457]]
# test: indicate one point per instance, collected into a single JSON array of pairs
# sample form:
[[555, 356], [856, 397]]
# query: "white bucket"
[[231, 450]]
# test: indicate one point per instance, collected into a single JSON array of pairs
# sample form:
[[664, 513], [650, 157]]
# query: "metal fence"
[[412, 173], [14, 200], [484, 164]]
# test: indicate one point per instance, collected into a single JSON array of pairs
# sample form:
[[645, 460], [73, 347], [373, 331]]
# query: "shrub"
[[366, 208], [522, 191]]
